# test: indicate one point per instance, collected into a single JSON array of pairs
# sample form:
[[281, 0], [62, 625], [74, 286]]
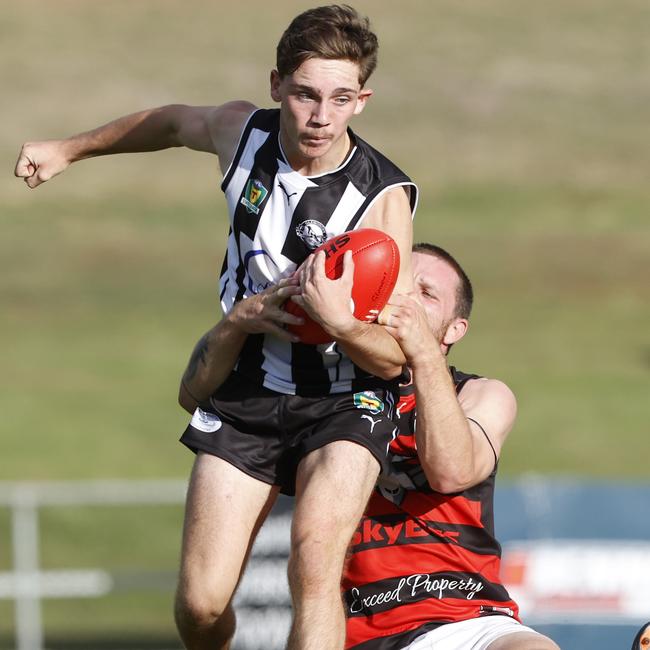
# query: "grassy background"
[[526, 130]]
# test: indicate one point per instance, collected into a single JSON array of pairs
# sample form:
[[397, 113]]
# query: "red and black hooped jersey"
[[420, 558]]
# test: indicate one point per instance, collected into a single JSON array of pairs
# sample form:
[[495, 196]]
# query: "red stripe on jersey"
[[378, 563], [443, 508], [433, 507]]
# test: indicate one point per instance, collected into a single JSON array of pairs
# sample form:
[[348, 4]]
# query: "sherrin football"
[[376, 265]]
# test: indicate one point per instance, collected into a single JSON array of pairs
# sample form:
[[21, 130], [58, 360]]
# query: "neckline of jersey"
[[329, 171]]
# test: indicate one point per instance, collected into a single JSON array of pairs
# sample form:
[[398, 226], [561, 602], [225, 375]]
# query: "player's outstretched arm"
[[217, 351], [214, 129]]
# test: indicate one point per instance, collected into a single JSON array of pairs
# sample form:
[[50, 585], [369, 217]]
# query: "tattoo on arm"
[[199, 355]]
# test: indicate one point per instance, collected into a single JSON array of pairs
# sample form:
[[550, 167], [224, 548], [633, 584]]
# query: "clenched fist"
[[40, 161]]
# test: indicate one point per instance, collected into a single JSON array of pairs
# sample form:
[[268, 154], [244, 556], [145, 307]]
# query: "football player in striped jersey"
[[290, 417]]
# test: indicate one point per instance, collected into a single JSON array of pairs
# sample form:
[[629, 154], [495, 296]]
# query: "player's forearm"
[[370, 347], [443, 437], [148, 130], [212, 360]]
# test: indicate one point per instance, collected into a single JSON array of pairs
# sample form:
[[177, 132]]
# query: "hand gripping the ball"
[[374, 271], [326, 302]]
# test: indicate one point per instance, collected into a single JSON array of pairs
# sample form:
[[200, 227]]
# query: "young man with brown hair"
[[290, 416]]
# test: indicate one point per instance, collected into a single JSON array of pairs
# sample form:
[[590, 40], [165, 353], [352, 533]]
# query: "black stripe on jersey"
[[265, 167], [384, 595], [251, 359], [392, 530], [396, 641], [316, 204], [307, 370]]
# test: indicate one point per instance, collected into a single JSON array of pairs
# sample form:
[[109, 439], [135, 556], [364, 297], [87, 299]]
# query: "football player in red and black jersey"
[[423, 571]]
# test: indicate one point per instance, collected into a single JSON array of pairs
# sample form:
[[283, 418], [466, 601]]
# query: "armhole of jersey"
[[373, 198], [239, 150], [496, 458]]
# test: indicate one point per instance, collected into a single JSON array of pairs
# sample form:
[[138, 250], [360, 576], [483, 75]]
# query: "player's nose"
[[320, 114]]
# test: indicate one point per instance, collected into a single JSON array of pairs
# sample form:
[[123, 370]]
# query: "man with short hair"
[[423, 569], [286, 418]]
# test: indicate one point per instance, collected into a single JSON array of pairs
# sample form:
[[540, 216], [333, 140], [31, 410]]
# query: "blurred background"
[[526, 128]]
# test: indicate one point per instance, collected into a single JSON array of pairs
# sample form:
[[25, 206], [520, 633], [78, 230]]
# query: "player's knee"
[[200, 608]]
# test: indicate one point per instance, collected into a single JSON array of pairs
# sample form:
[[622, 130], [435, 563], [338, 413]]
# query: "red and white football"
[[376, 265]]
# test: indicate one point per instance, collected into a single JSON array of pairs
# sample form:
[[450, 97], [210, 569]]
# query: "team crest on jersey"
[[312, 232], [253, 196], [369, 401]]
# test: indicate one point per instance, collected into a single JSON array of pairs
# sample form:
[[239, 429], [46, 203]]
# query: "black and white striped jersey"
[[277, 218]]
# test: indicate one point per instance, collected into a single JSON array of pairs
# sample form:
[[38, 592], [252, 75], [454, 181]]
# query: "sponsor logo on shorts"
[[254, 194], [206, 422], [368, 400], [312, 232]]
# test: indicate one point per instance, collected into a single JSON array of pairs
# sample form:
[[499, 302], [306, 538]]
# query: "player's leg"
[[225, 509], [333, 484], [523, 641]]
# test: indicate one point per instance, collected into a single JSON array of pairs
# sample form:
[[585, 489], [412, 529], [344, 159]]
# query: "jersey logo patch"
[[206, 422], [312, 232], [368, 400], [253, 196]]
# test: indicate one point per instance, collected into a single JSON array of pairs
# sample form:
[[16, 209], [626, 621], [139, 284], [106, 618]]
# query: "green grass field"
[[526, 130]]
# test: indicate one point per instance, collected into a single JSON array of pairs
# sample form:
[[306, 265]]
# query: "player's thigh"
[[523, 641], [224, 510], [333, 484]]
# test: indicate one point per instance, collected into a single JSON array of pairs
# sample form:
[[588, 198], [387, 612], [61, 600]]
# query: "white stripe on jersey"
[[350, 202]]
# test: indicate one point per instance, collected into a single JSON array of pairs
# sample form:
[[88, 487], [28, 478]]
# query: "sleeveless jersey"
[[277, 218], [420, 558]]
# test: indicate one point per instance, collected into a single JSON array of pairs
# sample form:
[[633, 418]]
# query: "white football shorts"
[[473, 634]]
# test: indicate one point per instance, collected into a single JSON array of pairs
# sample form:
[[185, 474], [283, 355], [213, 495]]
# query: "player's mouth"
[[315, 139]]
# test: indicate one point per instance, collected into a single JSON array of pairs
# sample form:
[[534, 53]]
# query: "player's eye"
[[341, 101]]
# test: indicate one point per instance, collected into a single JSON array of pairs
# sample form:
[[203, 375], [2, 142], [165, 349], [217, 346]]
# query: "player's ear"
[[455, 331], [275, 86], [364, 95]]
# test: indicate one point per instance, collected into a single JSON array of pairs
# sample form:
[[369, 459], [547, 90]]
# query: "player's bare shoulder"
[[491, 403], [225, 124], [483, 390]]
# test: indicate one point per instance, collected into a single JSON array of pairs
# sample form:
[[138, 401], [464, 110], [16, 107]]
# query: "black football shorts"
[[265, 434]]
